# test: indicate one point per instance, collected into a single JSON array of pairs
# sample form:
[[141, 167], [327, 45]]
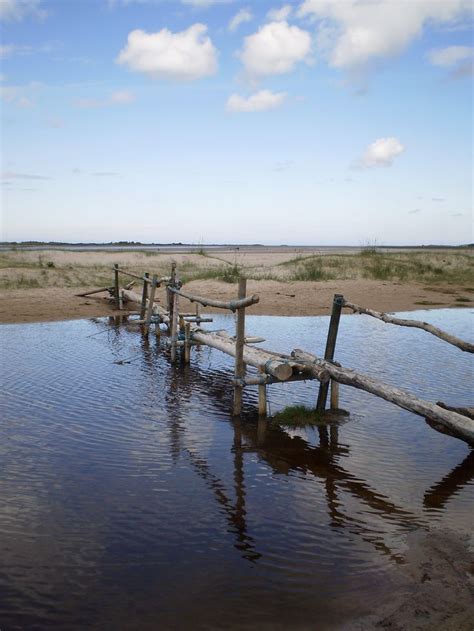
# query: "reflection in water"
[[131, 498]]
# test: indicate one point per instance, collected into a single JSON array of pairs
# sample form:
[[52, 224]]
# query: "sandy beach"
[[38, 286]]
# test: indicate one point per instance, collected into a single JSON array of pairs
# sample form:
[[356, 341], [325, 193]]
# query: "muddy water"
[[130, 499]]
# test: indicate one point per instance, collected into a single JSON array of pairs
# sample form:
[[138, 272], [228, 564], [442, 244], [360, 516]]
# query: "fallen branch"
[[233, 305], [417, 324], [459, 425]]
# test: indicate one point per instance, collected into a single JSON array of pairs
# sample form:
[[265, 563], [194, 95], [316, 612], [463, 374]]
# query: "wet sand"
[[434, 590], [298, 298]]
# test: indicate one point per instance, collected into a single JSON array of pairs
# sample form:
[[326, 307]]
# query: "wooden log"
[[233, 305], [144, 296], [256, 380], [425, 326], [132, 275], [149, 311], [95, 291], [116, 286], [197, 320], [330, 346], [462, 425], [239, 370]]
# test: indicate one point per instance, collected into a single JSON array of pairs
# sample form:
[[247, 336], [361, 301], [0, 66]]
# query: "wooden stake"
[[330, 346], [144, 297], [149, 311], [334, 395], [174, 326], [187, 343], [239, 349], [116, 286], [262, 398]]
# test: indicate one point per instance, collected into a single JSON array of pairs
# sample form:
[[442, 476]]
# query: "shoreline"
[[289, 299]]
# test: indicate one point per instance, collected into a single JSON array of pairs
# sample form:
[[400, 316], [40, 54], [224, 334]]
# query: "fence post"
[[262, 397], [239, 372], [144, 296], [116, 285], [330, 346], [151, 298], [187, 343]]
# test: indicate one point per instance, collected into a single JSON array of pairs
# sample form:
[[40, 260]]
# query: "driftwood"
[[95, 291], [233, 305], [271, 363], [461, 426], [451, 339]]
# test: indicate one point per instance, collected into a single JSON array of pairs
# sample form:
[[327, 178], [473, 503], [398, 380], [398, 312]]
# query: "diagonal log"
[[459, 425], [233, 305], [417, 324]]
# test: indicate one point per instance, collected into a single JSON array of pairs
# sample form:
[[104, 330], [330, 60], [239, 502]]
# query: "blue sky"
[[204, 121]]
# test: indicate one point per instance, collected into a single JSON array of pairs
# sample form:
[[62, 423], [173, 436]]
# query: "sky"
[[313, 122]]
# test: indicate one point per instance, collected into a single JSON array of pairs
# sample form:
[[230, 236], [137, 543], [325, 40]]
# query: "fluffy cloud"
[[353, 32], [121, 97], [381, 152], [182, 56], [258, 102], [451, 55], [278, 15], [275, 49], [459, 60], [244, 15], [17, 10]]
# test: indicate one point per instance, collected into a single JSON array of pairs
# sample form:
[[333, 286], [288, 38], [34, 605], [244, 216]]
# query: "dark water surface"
[[129, 498]]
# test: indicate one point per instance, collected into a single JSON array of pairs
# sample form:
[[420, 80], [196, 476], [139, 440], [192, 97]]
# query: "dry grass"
[[62, 268]]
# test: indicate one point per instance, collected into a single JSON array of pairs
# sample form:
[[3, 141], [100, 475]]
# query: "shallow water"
[[130, 499]]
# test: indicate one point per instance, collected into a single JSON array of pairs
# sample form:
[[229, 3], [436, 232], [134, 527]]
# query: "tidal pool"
[[130, 498]]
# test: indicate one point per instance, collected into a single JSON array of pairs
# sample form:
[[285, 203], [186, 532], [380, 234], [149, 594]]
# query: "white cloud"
[[17, 10], [120, 97], [355, 32], [20, 95], [258, 102], [244, 15], [450, 56], [8, 50], [278, 15], [182, 56], [275, 49], [205, 3], [381, 152]]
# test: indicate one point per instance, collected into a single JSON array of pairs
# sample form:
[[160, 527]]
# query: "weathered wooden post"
[[334, 395], [171, 295], [330, 346], [116, 285], [239, 372], [151, 298], [262, 397], [174, 325], [144, 296], [187, 343]]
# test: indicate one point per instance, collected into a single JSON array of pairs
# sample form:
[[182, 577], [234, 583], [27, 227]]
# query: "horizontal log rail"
[[232, 305], [451, 339], [459, 425]]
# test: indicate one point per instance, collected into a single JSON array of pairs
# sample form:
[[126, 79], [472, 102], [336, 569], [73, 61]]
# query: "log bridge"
[[184, 331]]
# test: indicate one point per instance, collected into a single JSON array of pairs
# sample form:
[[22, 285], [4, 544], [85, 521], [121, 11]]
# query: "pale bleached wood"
[[239, 369], [417, 324], [232, 305], [462, 426]]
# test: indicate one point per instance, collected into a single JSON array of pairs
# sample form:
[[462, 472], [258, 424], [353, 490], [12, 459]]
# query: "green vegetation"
[[298, 416], [443, 271]]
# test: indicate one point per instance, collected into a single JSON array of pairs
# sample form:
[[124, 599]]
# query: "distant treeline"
[[222, 245]]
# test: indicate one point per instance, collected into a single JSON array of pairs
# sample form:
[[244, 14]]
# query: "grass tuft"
[[298, 416]]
